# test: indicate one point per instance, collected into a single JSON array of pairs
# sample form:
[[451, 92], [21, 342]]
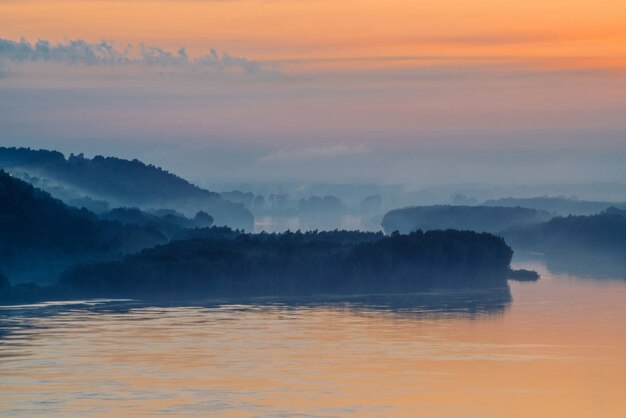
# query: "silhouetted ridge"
[[473, 218], [557, 205], [169, 223], [122, 183], [39, 232], [604, 234], [107, 176]]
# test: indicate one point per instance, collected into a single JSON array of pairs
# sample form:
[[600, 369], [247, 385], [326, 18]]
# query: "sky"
[[412, 92]]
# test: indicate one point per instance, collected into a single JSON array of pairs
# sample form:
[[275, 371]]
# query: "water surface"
[[556, 348]]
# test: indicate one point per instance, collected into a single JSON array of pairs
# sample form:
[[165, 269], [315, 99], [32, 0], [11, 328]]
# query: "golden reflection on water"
[[558, 350]]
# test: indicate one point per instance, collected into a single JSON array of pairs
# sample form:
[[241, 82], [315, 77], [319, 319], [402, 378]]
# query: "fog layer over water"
[[555, 349]]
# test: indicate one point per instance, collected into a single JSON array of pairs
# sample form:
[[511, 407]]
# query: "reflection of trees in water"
[[29, 321], [23, 329], [587, 265], [467, 304]]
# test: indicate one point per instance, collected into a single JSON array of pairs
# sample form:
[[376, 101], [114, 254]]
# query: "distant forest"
[[556, 205], [471, 218], [526, 230], [166, 237], [301, 264], [40, 235], [229, 264], [103, 181], [600, 234]]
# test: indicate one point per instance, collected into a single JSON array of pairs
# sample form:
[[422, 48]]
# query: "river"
[[554, 348]]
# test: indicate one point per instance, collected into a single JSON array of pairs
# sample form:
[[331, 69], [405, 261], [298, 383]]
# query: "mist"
[[221, 117]]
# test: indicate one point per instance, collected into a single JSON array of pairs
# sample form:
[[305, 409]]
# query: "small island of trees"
[[337, 262]]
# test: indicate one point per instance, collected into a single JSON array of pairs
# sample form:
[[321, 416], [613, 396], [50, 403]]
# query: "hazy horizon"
[[412, 94]]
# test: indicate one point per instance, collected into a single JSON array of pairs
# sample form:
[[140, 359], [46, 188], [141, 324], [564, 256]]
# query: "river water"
[[555, 348]]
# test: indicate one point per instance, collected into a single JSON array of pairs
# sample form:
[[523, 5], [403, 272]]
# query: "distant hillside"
[[120, 183], [602, 234], [169, 223], [40, 235], [473, 218], [556, 205]]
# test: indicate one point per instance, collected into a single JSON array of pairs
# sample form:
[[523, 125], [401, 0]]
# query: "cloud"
[[71, 52], [226, 61], [308, 153], [104, 53]]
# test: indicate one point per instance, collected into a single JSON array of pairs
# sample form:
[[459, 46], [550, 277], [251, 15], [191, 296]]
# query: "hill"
[[169, 223], [119, 182], [472, 218], [41, 235], [557, 205], [603, 235]]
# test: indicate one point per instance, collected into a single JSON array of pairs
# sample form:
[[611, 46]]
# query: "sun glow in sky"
[[321, 82], [325, 29]]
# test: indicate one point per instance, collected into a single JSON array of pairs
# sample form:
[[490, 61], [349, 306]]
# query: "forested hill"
[[473, 218], [122, 183], [600, 234], [300, 264], [39, 234], [557, 205]]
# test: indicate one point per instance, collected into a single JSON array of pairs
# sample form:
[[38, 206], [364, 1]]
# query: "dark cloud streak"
[[104, 53]]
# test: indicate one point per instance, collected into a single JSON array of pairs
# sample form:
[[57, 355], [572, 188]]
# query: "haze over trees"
[[320, 212], [120, 182], [600, 234], [40, 235], [282, 211], [169, 222], [556, 205], [162, 246], [473, 218], [590, 243]]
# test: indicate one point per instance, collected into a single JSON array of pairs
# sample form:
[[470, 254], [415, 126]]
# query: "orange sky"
[[339, 79], [322, 29]]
